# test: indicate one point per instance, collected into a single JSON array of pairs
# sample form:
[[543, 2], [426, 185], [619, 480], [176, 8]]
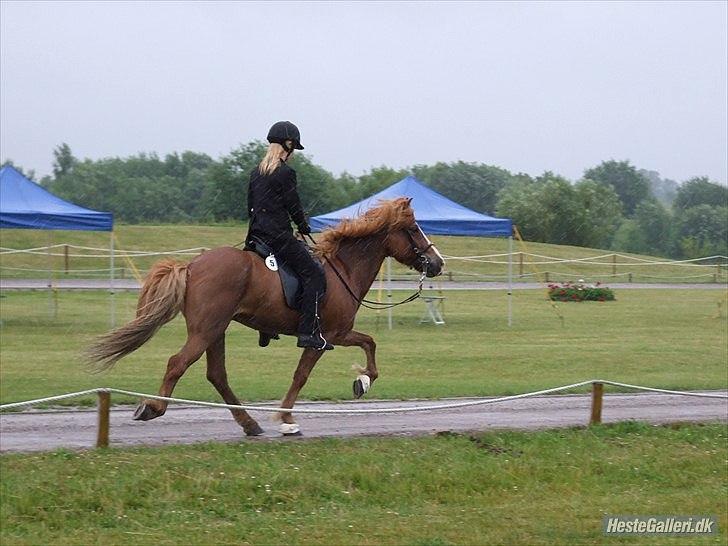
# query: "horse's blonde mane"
[[389, 215]]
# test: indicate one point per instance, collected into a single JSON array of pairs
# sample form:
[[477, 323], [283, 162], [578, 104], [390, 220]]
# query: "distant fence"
[[57, 260], [595, 417]]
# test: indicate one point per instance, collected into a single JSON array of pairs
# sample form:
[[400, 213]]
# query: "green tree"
[[656, 225], [319, 190], [703, 231], [664, 190], [473, 185], [63, 161], [29, 174], [650, 231], [700, 191], [226, 193], [549, 209], [376, 180], [631, 186], [601, 214], [629, 237], [521, 201]]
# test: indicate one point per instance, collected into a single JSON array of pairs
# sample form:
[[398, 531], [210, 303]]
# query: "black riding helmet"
[[285, 130]]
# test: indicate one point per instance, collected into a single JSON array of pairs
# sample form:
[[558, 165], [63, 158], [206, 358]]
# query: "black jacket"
[[272, 203]]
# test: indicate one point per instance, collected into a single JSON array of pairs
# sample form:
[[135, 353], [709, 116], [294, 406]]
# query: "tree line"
[[614, 205]]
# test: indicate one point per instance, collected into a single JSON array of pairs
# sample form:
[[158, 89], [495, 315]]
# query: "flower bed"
[[580, 292]]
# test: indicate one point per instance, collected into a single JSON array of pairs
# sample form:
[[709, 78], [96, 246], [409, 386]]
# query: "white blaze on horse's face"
[[433, 248], [430, 258]]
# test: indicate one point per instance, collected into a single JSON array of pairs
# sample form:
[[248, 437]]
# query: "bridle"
[[421, 254]]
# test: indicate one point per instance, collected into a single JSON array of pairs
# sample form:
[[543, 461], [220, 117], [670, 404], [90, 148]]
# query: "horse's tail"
[[162, 297]]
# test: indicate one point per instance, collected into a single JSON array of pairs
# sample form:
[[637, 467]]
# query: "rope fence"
[[710, 268], [104, 403], [487, 258]]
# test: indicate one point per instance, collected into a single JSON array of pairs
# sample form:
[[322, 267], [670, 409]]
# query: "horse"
[[228, 284]]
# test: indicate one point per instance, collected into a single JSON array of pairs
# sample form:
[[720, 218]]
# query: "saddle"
[[289, 280]]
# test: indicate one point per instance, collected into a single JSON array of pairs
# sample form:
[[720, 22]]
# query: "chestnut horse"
[[226, 284]]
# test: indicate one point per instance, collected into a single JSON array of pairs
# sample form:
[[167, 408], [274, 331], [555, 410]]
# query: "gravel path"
[[47, 430]]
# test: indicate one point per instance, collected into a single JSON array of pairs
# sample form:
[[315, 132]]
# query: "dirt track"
[[48, 430], [132, 284]]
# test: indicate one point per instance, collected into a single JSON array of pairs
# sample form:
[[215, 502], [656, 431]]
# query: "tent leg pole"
[[50, 274], [389, 292], [510, 281], [111, 281]]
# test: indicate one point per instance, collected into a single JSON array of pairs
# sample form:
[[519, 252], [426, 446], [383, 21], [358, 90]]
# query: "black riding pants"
[[295, 255]]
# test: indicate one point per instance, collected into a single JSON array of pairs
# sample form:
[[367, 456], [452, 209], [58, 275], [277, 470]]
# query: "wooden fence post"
[[65, 258], [614, 265], [102, 439], [520, 264], [596, 403]]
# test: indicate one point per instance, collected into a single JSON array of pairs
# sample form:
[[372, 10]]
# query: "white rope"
[[477, 258], [401, 409], [131, 253], [60, 270], [665, 391], [50, 399]]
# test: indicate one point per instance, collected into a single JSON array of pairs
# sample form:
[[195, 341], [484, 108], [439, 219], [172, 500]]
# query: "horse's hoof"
[[361, 385], [254, 430], [145, 412], [290, 429]]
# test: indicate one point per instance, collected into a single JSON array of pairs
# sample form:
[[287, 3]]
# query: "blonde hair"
[[272, 158]]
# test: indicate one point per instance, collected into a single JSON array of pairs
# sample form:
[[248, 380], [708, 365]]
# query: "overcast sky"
[[530, 86]]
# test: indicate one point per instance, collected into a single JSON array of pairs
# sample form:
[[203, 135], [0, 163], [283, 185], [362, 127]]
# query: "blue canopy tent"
[[436, 215], [26, 205]]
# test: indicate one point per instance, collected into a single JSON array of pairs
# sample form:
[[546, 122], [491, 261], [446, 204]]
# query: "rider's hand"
[[304, 229]]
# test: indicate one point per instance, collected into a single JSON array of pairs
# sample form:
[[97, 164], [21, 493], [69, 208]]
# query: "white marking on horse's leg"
[[289, 428], [365, 382]]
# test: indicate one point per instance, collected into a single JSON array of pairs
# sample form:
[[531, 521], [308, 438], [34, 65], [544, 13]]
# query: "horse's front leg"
[[367, 376], [217, 375], [308, 360]]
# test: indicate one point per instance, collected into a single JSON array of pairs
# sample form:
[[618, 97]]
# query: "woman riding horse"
[[273, 202], [228, 284]]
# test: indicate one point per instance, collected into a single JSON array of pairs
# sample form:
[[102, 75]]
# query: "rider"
[[273, 202]]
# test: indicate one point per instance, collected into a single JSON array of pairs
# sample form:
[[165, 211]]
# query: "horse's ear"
[[409, 201]]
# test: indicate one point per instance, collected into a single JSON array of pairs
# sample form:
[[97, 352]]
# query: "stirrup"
[[314, 342]]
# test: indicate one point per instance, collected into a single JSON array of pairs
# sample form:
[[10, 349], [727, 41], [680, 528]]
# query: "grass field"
[[177, 237], [663, 338], [550, 487]]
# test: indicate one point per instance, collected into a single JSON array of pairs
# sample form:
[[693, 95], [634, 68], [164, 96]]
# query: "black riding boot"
[[314, 342], [295, 254]]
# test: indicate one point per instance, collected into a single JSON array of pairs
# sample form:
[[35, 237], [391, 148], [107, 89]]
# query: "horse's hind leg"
[[217, 375], [176, 367]]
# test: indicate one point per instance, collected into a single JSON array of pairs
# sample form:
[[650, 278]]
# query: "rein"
[[376, 305]]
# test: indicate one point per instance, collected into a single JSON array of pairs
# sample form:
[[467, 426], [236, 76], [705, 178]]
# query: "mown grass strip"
[[549, 487], [674, 339]]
